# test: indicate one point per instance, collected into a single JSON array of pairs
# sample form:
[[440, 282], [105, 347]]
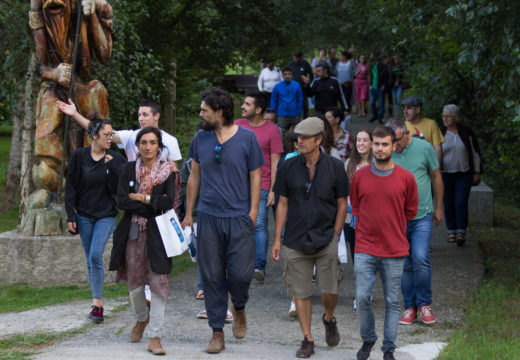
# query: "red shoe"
[[409, 316], [427, 314]]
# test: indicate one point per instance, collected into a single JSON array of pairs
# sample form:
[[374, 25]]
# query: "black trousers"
[[347, 91], [226, 251]]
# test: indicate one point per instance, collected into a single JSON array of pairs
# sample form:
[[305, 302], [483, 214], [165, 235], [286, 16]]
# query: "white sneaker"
[[292, 310], [355, 304]]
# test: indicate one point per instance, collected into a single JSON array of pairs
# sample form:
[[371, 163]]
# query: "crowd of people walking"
[[383, 189]]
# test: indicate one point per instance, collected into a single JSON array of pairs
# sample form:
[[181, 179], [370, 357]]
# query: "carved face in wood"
[[56, 14]]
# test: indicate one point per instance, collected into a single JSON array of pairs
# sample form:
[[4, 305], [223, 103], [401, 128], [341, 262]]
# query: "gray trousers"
[[138, 300]]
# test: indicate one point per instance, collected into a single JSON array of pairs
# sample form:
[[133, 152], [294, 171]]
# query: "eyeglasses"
[[397, 139], [109, 135], [218, 153], [308, 185]]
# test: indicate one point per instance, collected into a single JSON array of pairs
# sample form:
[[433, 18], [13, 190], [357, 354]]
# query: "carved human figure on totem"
[[53, 24]]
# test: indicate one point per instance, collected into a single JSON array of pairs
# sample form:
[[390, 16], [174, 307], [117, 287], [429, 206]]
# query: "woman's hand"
[[108, 158], [72, 227], [137, 197]]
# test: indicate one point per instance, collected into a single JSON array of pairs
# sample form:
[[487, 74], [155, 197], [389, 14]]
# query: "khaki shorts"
[[298, 270]]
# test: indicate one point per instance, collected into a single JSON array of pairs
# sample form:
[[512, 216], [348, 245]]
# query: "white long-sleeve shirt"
[[268, 79]]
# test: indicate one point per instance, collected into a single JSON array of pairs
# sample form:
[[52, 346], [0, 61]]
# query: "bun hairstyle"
[[95, 125]]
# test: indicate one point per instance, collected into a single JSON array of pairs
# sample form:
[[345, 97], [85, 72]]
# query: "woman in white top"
[[461, 168]]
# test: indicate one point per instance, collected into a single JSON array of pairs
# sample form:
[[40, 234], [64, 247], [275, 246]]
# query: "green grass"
[[491, 328], [19, 347], [23, 297]]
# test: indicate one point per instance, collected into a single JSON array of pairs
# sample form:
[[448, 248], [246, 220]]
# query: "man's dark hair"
[[260, 99], [152, 104], [219, 99], [287, 68], [325, 66], [147, 130], [337, 113], [383, 131]]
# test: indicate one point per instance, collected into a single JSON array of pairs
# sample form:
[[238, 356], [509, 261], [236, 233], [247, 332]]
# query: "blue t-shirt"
[[224, 186]]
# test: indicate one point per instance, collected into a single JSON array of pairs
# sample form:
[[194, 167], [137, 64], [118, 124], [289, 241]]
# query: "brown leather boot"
[[216, 344], [138, 330], [155, 347], [239, 323]]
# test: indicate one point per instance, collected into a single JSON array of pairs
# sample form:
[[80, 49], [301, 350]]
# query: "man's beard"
[[383, 161], [207, 126], [57, 26]]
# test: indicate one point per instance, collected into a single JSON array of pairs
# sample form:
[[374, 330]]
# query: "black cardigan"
[[466, 134], [162, 199]]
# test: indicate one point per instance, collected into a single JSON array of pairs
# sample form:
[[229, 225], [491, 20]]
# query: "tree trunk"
[[27, 157], [12, 174], [170, 110]]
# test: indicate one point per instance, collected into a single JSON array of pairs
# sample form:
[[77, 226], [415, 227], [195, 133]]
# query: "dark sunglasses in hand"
[[218, 153], [308, 186]]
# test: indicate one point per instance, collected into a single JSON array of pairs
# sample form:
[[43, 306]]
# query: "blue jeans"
[[457, 187], [261, 232], [397, 93], [379, 96], [391, 270], [416, 283], [94, 236]]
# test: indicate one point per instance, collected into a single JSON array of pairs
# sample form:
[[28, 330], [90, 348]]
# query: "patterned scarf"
[[159, 172]]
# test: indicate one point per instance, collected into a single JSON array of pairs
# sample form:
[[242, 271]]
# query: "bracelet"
[[147, 199]]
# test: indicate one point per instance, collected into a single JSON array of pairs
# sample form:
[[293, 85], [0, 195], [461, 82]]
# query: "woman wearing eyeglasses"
[[90, 202], [146, 189]]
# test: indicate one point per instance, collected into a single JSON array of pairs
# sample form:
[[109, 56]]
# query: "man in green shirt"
[[418, 157]]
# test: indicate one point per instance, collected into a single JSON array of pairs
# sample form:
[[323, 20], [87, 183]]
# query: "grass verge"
[[23, 297], [19, 347], [491, 328]]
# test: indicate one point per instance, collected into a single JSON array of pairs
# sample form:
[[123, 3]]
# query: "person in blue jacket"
[[287, 100]]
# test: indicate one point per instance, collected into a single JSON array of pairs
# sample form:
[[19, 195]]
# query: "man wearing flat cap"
[[313, 189], [421, 127]]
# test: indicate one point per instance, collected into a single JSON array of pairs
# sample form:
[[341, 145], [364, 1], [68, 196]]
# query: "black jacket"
[[162, 199], [382, 75], [328, 93], [95, 199], [466, 134]]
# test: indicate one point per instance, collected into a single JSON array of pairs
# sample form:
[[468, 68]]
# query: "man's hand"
[[253, 214], [305, 79], [89, 7], [437, 216], [69, 109], [62, 74], [275, 251], [188, 221], [270, 199]]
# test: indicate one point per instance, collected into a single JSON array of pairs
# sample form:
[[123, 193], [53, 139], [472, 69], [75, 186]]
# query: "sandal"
[[203, 315], [200, 295], [461, 239], [451, 238]]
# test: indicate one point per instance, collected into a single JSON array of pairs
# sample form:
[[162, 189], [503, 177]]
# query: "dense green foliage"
[[456, 51]]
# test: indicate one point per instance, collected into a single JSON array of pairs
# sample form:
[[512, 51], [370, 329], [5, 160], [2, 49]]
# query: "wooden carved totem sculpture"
[[53, 24]]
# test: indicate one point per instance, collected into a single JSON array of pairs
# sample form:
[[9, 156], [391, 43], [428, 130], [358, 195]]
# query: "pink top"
[[270, 140]]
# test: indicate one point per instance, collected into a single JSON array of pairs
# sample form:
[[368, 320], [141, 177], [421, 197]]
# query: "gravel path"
[[271, 334]]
